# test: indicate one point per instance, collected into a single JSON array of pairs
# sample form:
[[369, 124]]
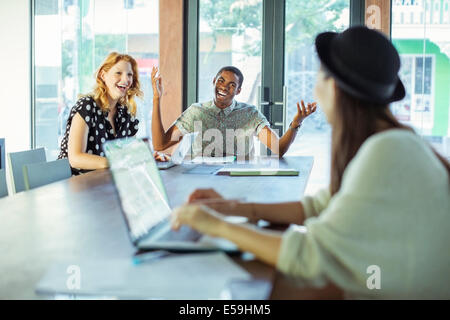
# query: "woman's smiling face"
[[118, 79]]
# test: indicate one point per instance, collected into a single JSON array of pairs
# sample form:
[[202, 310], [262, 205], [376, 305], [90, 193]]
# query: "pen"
[[149, 256]]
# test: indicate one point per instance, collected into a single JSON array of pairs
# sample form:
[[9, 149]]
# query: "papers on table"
[[257, 172], [186, 276], [207, 160]]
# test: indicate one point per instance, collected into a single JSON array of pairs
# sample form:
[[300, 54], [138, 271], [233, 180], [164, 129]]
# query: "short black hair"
[[235, 70]]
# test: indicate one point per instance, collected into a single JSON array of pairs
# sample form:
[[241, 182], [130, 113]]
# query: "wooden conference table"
[[80, 218]]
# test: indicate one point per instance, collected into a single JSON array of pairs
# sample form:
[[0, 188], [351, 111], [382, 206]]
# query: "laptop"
[[180, 152], [145, 205]]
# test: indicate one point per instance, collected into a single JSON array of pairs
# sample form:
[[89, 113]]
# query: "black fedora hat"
[[363, 62]]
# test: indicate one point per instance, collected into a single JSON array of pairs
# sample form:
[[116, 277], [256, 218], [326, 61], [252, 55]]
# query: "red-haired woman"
[[109, 112], [381, 229]]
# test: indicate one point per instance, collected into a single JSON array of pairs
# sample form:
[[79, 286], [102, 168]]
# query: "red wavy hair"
[[101, 91]]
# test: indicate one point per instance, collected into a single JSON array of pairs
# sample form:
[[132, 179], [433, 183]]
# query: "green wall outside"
[[441, 79]]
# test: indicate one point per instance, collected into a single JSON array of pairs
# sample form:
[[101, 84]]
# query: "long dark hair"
[[354, 121]]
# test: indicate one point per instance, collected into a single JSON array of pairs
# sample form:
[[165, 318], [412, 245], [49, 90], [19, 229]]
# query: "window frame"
[[272, 47]]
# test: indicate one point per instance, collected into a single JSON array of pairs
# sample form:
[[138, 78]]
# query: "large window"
[[420, 31], [304, 20], [230, 34], [71, 39]]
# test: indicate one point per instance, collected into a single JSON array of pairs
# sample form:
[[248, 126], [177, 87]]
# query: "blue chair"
[[42, 173], [16, 162], [3, 186]]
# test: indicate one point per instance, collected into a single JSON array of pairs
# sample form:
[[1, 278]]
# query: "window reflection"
[[71, 39]]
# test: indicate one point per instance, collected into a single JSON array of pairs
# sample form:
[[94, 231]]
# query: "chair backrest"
[[2, 153], [16, 162], [3, 187], [42, 173]]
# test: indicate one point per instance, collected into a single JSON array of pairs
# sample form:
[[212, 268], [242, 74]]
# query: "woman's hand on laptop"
[[200, 218], [160, 156], [203, 194], [213, 200]]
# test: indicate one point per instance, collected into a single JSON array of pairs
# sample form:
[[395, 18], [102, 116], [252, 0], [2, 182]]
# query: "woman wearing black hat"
[[381, 229]]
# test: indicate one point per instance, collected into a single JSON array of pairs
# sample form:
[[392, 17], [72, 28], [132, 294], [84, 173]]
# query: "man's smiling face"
[[226, 87]]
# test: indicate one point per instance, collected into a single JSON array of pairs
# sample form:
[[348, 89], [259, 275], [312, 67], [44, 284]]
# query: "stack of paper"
[[207, 160]]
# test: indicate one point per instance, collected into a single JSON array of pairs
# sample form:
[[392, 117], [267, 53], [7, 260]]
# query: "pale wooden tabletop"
[[80, 218]]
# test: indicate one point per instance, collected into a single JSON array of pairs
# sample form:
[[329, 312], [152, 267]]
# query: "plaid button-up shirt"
[[228, 131]]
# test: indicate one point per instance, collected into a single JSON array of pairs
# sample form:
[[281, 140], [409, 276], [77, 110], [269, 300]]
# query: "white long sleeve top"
[[386, 233]]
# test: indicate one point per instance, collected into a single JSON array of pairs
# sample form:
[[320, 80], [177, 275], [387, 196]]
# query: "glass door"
[[272, 42], [303, 21], [230, 34]]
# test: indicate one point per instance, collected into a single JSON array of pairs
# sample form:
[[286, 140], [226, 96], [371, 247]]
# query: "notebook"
[[145, 205], [258, 172]]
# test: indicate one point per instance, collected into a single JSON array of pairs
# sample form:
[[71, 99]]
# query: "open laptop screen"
[[142, 194]]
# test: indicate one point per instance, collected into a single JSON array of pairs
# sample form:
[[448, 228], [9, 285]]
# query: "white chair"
[[2, 153], [16, 162], [3, 187], [42, 173]]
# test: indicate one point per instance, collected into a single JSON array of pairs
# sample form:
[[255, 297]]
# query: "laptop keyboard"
[[183, 234], [163, 232]]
